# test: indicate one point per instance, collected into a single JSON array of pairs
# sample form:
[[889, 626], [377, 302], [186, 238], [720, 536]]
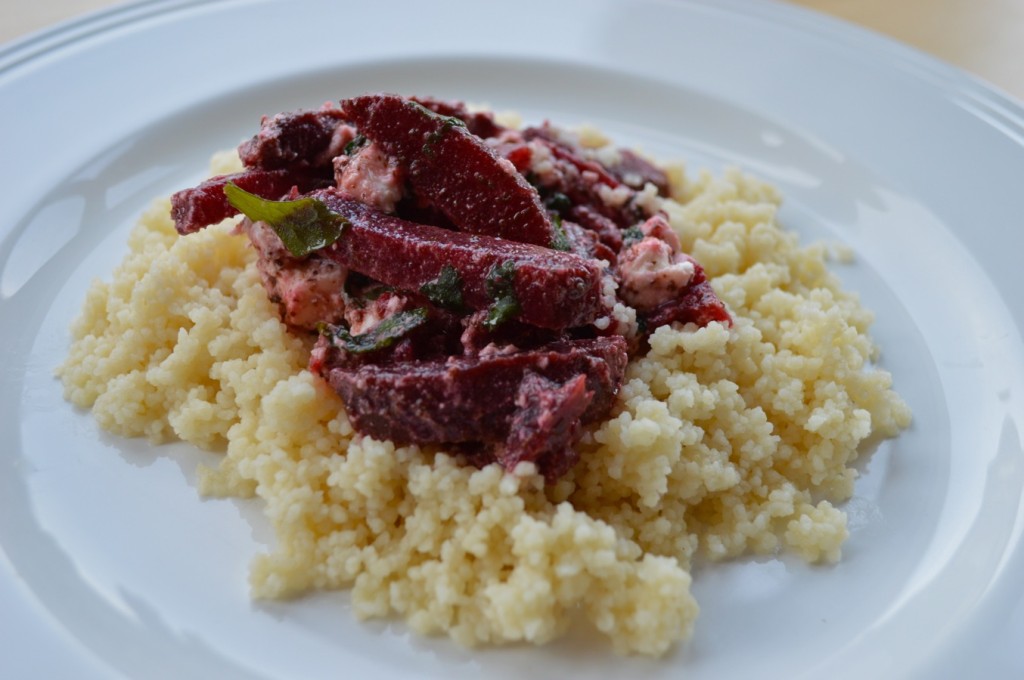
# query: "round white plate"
[[112, 566]]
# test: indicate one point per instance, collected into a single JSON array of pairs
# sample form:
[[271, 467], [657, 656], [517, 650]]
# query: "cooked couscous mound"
[[725, 440]]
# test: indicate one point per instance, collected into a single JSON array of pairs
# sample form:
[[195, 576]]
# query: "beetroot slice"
[[604, 227], [206, 204], [583, 181], [546, 424], [697, 303], [293, 139], [469, 398], [570, 154], [635, 171], [553, 289], [480, 123], [479, 192]]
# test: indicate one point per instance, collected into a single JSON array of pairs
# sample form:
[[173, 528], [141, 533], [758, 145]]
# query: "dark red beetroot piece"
[[587, 244], [697, 304], [635, 171], [476, 335], [602, 226], [479, 123], [205, 204], [295, 139], [567, 153], [479, 192], [546, 424], [553, 289], [582, 180], [469, 398]]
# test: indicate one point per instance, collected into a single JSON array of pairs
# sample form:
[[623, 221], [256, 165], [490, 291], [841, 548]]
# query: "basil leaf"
[[357, 143], [500, 279], [446, 290], [380, 336], [631, 236], [558, 202], [500, 286], [303, 225], [503, 309], [559, 239], [447, 123]]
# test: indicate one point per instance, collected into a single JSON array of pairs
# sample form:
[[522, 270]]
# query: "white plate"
[[113, 567]]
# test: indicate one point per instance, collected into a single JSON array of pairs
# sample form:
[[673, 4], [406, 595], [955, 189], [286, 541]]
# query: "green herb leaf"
[[559, 239], [357, 143], [500, 286], [558, 202], [449, 121], [503, 309], [446, 290], [631, 236], [434, 137], [452, 121], [500, 279], [303, 225], [380, 336]]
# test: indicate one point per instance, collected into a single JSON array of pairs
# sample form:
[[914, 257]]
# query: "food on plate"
[[486, 376], [456, 302]]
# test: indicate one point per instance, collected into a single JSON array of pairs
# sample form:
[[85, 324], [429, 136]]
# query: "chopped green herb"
[[500, 279], [449, 121], [446, 290], [500, 286], [357, 143], [558, 202], [631, 236], [434, 137], [423, 109], [559, 238], [641, 326], [453, 121], [303, 225], [380, 336], [502, 310]]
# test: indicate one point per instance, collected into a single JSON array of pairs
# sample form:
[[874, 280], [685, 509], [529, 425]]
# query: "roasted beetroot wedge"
[[583, 181], [206, 204], [480, 123], [471, 398], [538, 286], [479, 192], [635, 171], [297, 139], [698, 304], [546, 424]]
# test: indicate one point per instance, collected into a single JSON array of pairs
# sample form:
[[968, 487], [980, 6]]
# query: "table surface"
[[983, 37]]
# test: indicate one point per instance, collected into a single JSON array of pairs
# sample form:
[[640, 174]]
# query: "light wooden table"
[[983, 37]]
